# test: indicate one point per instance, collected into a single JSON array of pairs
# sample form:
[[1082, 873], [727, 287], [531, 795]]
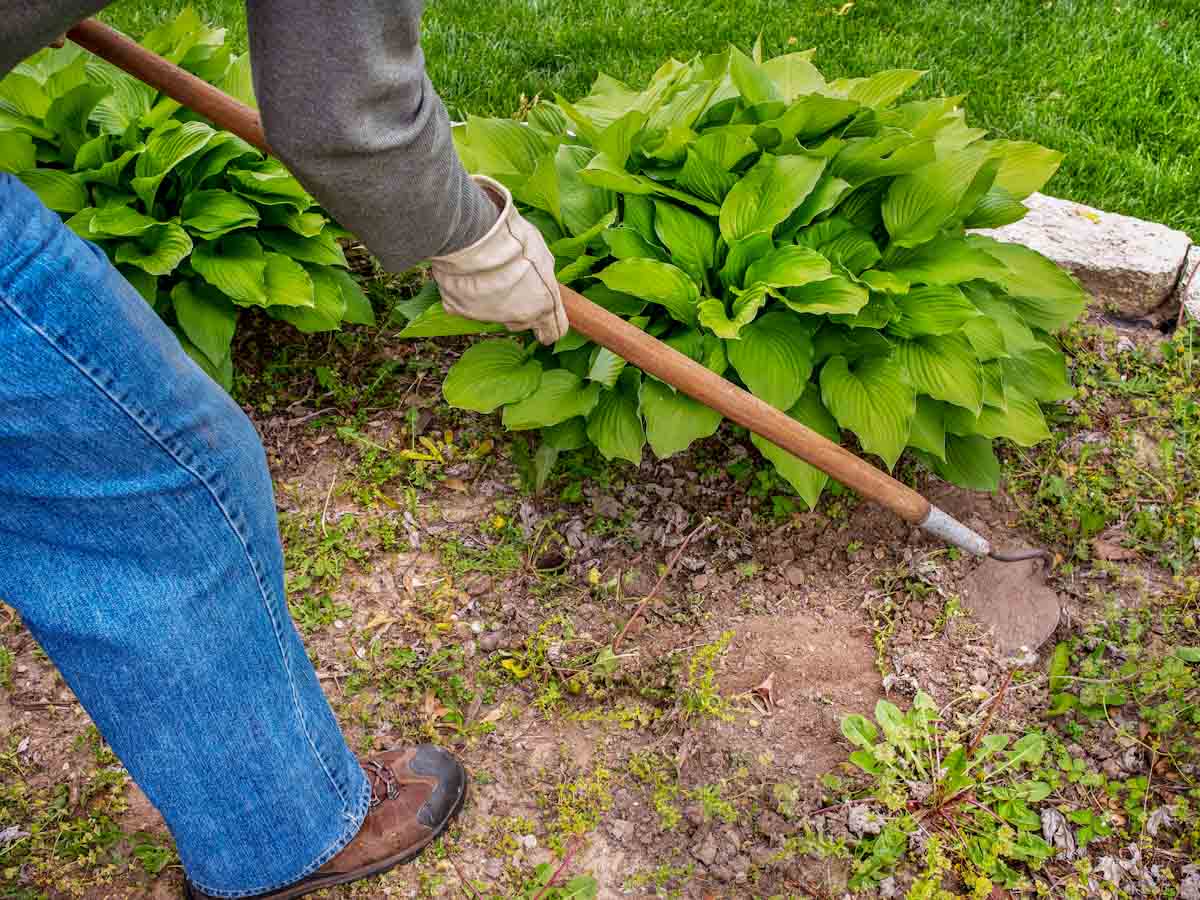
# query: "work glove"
[[506, 276]]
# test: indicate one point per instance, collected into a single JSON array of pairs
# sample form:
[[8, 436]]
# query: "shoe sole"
[[384, 865]]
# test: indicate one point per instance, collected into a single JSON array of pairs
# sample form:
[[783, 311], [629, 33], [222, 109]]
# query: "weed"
[[6, 664], [576, 807], [659, 773], [714, 805], [698, 693]]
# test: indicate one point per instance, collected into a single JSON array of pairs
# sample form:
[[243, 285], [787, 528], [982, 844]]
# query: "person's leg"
[[138, 541]]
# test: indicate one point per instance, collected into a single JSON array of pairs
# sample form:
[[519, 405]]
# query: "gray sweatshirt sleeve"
[[346, 104]]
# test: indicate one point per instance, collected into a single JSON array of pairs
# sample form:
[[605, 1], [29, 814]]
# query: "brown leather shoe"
[[414, 795]]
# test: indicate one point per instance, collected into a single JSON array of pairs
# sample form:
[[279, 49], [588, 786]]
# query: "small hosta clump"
[[805, 238], [196, 219]]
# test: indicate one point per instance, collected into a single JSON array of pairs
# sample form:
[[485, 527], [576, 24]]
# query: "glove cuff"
[[486, 247]]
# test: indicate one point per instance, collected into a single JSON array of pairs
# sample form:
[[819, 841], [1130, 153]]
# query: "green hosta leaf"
[[741, 254], [358, 306], [832, 295], [789, 266], [118, 221], [211, 214], [706, 349], [944, 367], [932, 311], [929, 427], [502, 148], [608, 101], [746, 305], [864, 159], [206, 317], [165, 150], [969, 463], [577, 269], [878, 280], [129, 101], [1045, 296], [24, 95], [669, 146], [704, 178], [10, 121], [583, 125], [560, 395], [268, 183], [824, 197], [614, 301], [752, 81], [1017, 336], [582, 204], [853, 250], [874, 400], [329, 304], [986, 337], [566, 436], [491, 374], [658, 282], [884, 88], [811, 116], [691, 240], [234, 265], [322, 250], [68, 116], [60, 191], [996, 209], [549, 118], [435, 321], [572, 246], [1040, 374], [950, 260], [305, 224], [222, 375], [238, 82], [673, 419], [919, 204], [541, 190], [158, 250], [767, 194], [625, 242], [726, 147], [605, 367], [773, 357], [994, 391], [793, 75], [1022, 422], [286, 282], [836, 340], [222, 150], [615, 425], [17, 151], [1025, 167], [602, 171], [807, 480], [879, 311]]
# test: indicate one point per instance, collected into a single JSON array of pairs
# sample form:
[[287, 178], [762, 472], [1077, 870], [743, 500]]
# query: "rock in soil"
[[1129, 265]]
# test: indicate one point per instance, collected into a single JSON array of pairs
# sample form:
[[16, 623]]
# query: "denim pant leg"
[[138, 541]]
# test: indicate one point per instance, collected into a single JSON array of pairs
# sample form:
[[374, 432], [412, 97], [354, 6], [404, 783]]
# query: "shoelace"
[[384, 785]]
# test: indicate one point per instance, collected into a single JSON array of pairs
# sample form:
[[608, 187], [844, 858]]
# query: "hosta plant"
[[200, 222], [809, 239]]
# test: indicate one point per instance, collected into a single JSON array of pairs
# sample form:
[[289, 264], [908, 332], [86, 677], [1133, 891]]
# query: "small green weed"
[[698, 692]]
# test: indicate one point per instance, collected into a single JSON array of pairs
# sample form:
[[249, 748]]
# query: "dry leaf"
[[456, 484], [766, 690]]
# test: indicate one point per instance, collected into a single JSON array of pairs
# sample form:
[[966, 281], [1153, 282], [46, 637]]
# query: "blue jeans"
[[139, 543]]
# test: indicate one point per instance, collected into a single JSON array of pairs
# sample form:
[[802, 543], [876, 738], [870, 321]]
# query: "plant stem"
[[553, 878], [987, 720]]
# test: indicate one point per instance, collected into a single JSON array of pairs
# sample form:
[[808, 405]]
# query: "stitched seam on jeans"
[[161, 442], [335, 847]]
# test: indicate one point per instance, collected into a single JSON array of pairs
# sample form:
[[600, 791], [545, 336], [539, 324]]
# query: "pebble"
[[794, 575], [700, 582], [490, 641], [529, 841], [694, 814], [979, 675], [493, 868]]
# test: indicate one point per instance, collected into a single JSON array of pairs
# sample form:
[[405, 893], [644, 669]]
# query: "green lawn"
[[1115, 85]]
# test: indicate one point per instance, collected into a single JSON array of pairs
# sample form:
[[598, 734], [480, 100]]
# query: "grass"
[[1114, 85]]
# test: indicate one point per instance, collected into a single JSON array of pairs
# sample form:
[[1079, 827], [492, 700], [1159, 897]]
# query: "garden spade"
[[595, 323]]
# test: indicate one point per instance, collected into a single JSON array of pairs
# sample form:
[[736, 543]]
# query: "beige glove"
[[506, 276]]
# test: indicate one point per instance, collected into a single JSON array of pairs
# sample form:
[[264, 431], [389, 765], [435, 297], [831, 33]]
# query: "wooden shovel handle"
[[596, 323]]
